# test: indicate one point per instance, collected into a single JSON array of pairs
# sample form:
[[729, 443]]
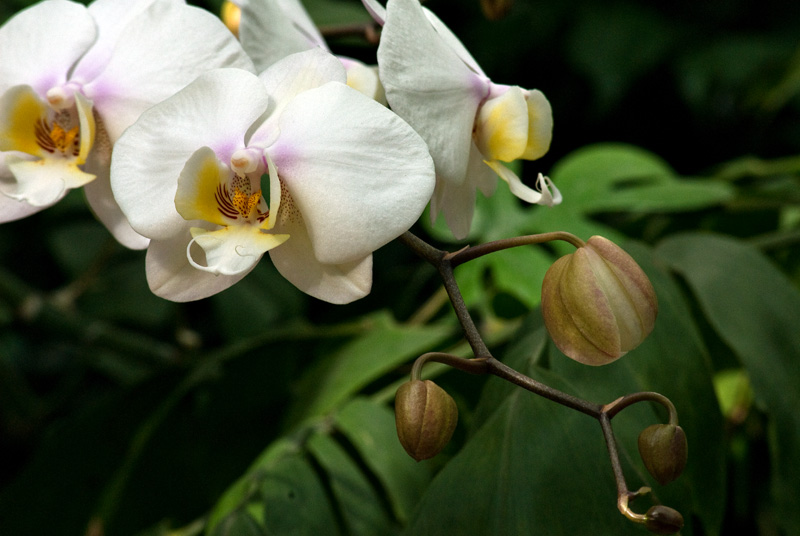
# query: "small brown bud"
[[425, 416], [664, 450], [597, 303], [661, 519], [496, 9]]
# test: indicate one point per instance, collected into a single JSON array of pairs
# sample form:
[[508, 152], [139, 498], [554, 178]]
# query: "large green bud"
[[425, 416], [597, 303]]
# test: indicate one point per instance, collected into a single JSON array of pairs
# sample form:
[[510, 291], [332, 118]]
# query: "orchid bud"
[[664, 450], [496, 9], [661, 519], [597, 303], [425, 416]]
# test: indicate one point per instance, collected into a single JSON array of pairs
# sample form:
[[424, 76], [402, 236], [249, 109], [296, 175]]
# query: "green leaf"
[[611, 176], [239, 524], [295, 501], [370, 428], [357, 500], [362, 360], [756, 311]]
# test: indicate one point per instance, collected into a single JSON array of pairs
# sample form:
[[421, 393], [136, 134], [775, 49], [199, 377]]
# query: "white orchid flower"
[[270, 30], [292, 162], [73, 78], [472, 125]]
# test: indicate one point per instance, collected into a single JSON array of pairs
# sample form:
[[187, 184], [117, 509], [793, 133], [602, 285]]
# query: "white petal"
[[158, 52], [13, 209], [358, 174], [40, 44], [170, 275], [105, 208], [364, 79], [214, 111], [290, 77], [376, 11], [452, 41], [333, 283], [457, 202], [270, 30], [430, 86], [111, 16], [43, 182]]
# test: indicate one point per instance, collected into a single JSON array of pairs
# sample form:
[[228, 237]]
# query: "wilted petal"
[[62, 31], [163, 48], [270, 30], [333, 283], [170, 275], [527, 194], [358, 174], [428, 84], [214, 111]]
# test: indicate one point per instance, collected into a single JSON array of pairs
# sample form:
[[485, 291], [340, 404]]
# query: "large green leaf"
[[362, 360], [361, 507], [370, 428], [756, 311]]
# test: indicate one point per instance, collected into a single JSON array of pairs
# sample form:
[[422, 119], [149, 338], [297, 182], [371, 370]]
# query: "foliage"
[[262, 411]]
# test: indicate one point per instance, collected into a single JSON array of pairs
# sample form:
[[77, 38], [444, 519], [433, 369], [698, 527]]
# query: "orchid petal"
[[275, 192], [291, 76], [39, 45], [364, 79], [452, 41], [159, 51], [457, 202], [333, 283], [234, 249], [43, 182], [111, 16], [270, 30], [540, 125], [13, 209], [101, 201], [214, 111], [502, 126], [170, 275], [376, 11], [87, 127], [429, 85], [357, 173]]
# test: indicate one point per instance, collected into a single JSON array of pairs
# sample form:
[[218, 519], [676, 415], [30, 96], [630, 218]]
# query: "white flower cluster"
[[211, 151]]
